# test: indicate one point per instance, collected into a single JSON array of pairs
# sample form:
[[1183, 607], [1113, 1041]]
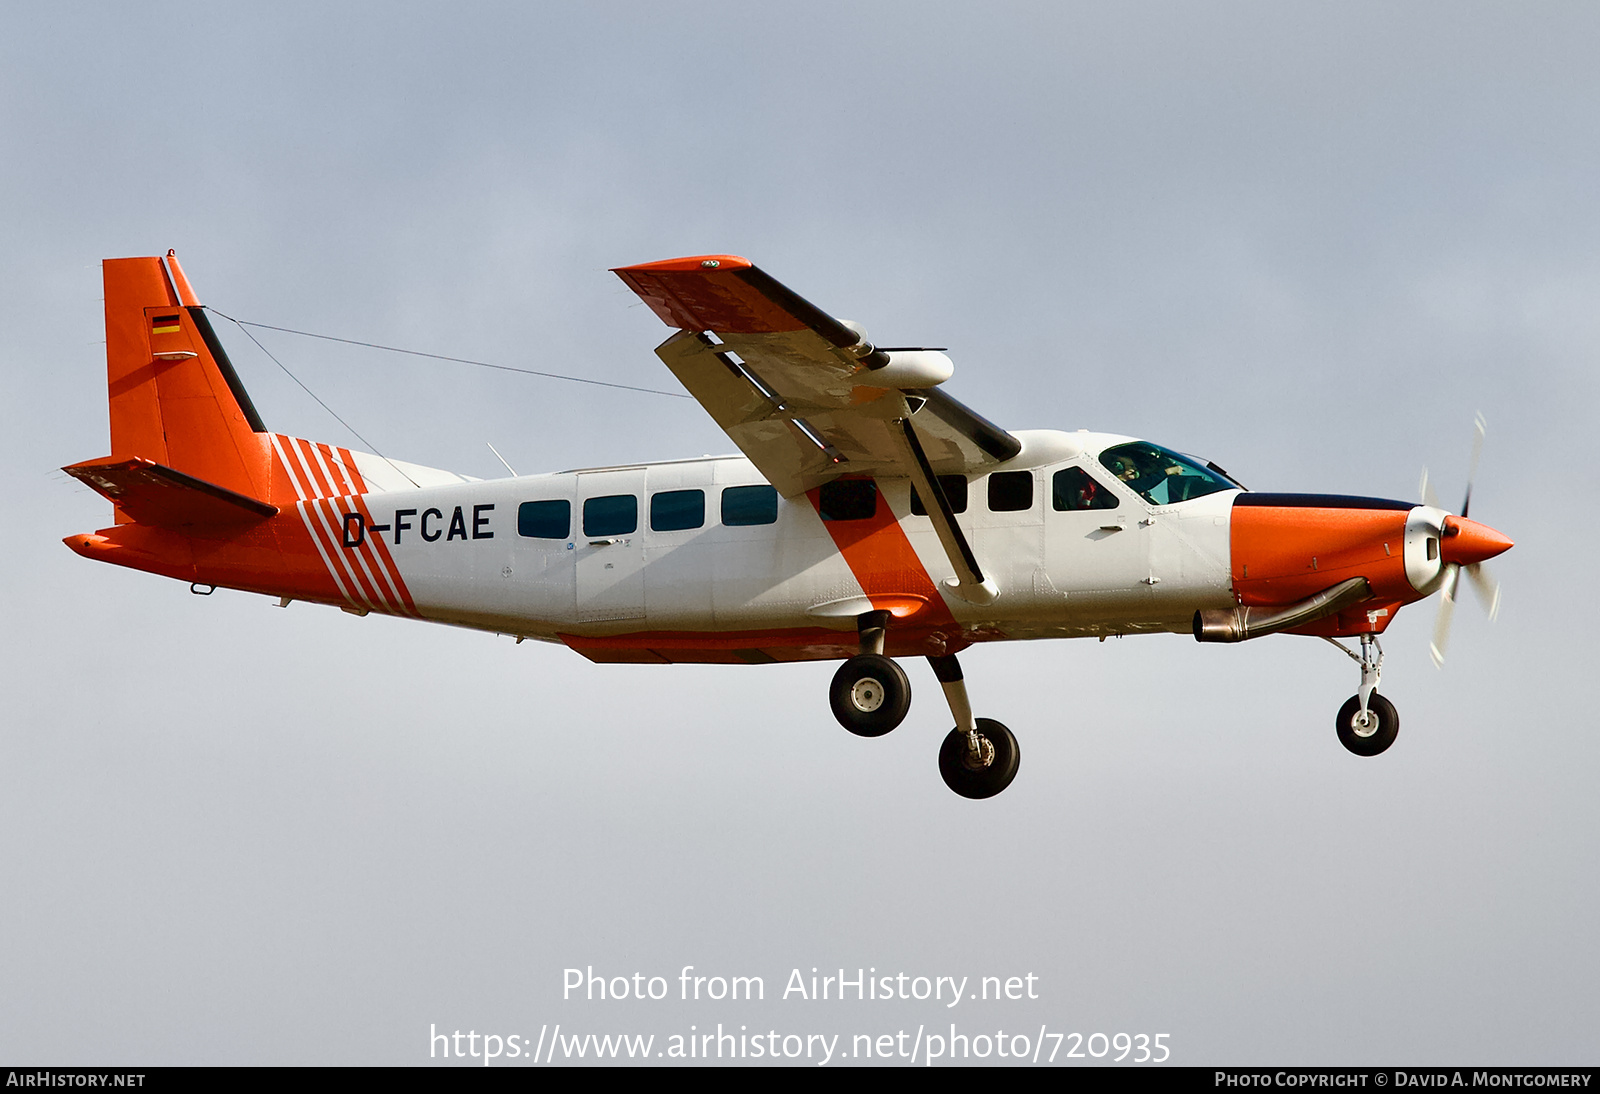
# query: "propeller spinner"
[[1464, 545]]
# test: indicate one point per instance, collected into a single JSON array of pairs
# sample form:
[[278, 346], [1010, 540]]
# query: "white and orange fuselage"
[[352, 530]]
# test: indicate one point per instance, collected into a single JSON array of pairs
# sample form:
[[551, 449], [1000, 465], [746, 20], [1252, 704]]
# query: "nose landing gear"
[[1367, 732], [1367, 723]]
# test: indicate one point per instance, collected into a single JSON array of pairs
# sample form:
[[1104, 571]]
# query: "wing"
[[804, 395], [807, 398]]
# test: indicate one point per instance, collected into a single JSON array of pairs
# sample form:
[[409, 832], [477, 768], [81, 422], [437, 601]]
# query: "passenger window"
[[955, 489], [676, 510], [1010, 491], [614, 515], [848, 499], [1073, 489], [747, 505], [544, 519]]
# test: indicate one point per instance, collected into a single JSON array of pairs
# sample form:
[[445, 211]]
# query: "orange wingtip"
[[91, 546], [694, 262]]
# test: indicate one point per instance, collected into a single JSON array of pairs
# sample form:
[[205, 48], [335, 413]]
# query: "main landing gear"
[[1367, 723], [871, 695], [979, 757]]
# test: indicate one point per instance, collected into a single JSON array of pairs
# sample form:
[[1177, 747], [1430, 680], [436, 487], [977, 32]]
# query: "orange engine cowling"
[[1288, 547], [1290, 550]]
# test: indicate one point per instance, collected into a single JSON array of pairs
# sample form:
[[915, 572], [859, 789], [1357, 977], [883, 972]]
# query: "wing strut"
[[969, 583]]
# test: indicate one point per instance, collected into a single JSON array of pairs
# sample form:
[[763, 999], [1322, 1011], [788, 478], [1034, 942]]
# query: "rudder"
[[174, 397]]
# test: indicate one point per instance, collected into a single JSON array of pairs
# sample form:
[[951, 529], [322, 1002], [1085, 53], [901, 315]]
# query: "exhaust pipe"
[[1241, 623]]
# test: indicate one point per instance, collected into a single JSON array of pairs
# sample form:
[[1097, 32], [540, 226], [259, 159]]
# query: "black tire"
[[982, 782], [870, 695], [1372, 739]]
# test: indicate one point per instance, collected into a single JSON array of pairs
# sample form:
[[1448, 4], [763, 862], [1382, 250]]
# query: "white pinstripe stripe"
[[328, 533], [336, 469], [330, 468], [291, 466], [376, 560], [371, 560], [312, 521], [387, 567], [356, 557], [320, 511], [351, 471], [329, 541], [306, 452], [316, 538], [328, 514]]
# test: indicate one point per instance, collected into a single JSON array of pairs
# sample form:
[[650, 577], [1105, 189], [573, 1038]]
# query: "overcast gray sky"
[[1308, 241]]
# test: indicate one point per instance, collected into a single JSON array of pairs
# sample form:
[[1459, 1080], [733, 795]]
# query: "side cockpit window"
[[1073, 489], [1161, 476], [1010, 491]]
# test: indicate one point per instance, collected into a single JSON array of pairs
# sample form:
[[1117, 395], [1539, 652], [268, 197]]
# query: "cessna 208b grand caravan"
[[871, 517]]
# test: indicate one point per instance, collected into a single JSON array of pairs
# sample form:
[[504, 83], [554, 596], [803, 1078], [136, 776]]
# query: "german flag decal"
[[164, 324]]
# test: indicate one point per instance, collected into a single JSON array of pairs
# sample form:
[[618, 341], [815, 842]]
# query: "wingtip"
[[692, 262]]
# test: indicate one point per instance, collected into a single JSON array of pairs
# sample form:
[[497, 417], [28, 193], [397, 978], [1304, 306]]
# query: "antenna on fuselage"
[[502, 459]]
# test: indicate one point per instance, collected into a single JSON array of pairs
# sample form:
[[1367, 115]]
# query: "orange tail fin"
[[175, 398]]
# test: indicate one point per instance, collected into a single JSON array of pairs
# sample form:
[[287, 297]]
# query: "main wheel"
[[969, 775], [870, 695], [1376, 733]]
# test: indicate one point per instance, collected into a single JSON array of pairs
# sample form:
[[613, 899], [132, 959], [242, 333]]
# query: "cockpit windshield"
[[1161, 476]]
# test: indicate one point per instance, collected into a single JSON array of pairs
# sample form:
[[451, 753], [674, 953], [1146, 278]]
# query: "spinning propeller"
[[1463, 545]]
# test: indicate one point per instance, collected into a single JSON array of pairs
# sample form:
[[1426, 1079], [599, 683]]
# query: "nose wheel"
[[1368, 732], [1367, 723]]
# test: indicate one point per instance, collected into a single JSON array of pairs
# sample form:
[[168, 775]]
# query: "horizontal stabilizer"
[[151, 493]]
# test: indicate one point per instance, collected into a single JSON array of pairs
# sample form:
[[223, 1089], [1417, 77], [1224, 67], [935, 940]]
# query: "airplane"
[[871, 517]]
